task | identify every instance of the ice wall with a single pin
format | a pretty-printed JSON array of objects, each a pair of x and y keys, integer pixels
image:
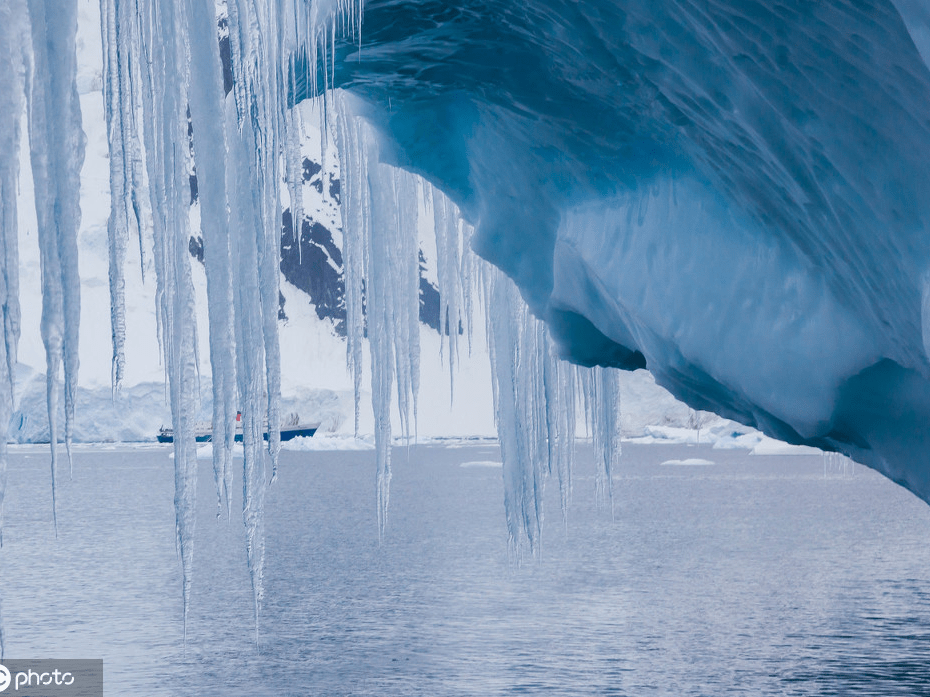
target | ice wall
[{"x": 734, "y": 196}]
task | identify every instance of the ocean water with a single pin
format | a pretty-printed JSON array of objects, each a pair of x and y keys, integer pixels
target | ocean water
[{"x": 755, "y": 575}]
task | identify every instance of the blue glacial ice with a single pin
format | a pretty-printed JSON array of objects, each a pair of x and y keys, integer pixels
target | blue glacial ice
[{"x": 734, "y": 195}]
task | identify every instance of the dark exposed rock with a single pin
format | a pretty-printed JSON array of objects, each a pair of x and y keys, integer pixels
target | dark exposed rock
[
  {"x": 311, "y": 169},
  {"x": 314, "y": 264},
  {"x": 196, "y": 247},
  {"x": 429, "y": 299},
  {"x": 225, "y": 54}
]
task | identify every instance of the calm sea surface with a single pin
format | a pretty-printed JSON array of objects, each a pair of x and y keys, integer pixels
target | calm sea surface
[{"x": 752, "y": 576}]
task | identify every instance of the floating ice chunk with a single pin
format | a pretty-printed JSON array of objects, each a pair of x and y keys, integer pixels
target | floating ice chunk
[
  {"x": 482, "y": 464},
  {"x": 689, "y": 462},
  {"x": 327, "y": 442}
]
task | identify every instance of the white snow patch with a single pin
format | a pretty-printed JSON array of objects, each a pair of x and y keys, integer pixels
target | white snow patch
[
  {"x": 205, "y": 452},
  {"x": 770, "y": 446},
  {"x": 328, "y": 441},
  {"x": 482, "y": 463},
  {"x": 690, "y": 462}
]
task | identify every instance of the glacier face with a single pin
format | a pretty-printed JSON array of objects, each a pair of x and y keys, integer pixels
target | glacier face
[{"x": 733, "y": 194}]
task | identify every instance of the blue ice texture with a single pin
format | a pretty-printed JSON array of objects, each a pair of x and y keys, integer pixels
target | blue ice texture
[{"x": 734, "y": 196}]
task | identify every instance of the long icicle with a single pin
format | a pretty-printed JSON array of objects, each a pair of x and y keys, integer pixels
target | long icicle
[
  {"x": 12, "y": 76},
  {"x": 57, "y": 153},
  {"x": 164, "y": 99},
  {"x": 256, "y": 30},
  {"x": 606, "y": 432},
  {"x": 245, "y": 223},
  {"x": 385, "y": 268},
  {"x": 354, "y": 205},
  {"x": 115, "y": 87},
  {"x": 208, "y": 116}
]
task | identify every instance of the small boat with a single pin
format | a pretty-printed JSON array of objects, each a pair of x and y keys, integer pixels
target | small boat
[{"x": 203, "y": 431}]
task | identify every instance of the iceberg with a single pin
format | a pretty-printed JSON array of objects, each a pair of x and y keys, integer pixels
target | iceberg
[{"x": 734, "y": 196}]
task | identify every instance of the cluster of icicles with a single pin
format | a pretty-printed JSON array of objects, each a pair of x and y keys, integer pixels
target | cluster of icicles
[{"x": 168, "y": 116}]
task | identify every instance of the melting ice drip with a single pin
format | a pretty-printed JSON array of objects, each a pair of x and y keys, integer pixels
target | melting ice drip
[{"x": 163, "y": 89}]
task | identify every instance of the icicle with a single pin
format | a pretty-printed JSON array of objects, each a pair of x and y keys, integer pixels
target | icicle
[
  {"x": 447, "y": 225},
  {"x": 513, "y": 336},
  {"x": 244, "y": 226},
  {"x": 469, "y": 279},
  {"x": 586, "y": 380},
  {"x": 115, "y": 88},
  {"x": 259, "y": 71},
  {"x": 559, "y": 382},
  {"x": 57, "y": 152},
  {"x": 163, "y": 70},
  {"x": 255, "y": 216},
  {"x": 238, "y": 148},
  {"x": 12, "y": 86},
  {"x": 398, "y": 244},
  {"x": 381, "y": 307},
  {"x": 383, "y": 266},
  {"x": 534, "y": 402},
  {"x": 606, "y": 431},
  {"x": 208, "y": 120},
  {"x": 354, "y": 206},
  {"x": 294, "y": 170}
]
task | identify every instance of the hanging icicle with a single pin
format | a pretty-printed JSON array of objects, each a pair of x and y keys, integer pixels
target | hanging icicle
[
  {"x": 13, "y": 31},
  {"x": 164, "y": 72},
  {"x": 161, "y": 61},
  {"x": 57, "y": 153},
  {"x": 605, "y": 429},
  {"x": 513, "y": 337},
  {"x": 447, "y": 224},
  {"x": 534, "y": 401},
  {"x": 382, "y": 276},
  {"x": 250, "y": 348},
  {"x": 355, "y": 205},
  {"x": 208, "y": 118},
  {"x": 560, "y": 396},
  {"x": 119, "y": 115},
  {"x": 259, "y": 71}
]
